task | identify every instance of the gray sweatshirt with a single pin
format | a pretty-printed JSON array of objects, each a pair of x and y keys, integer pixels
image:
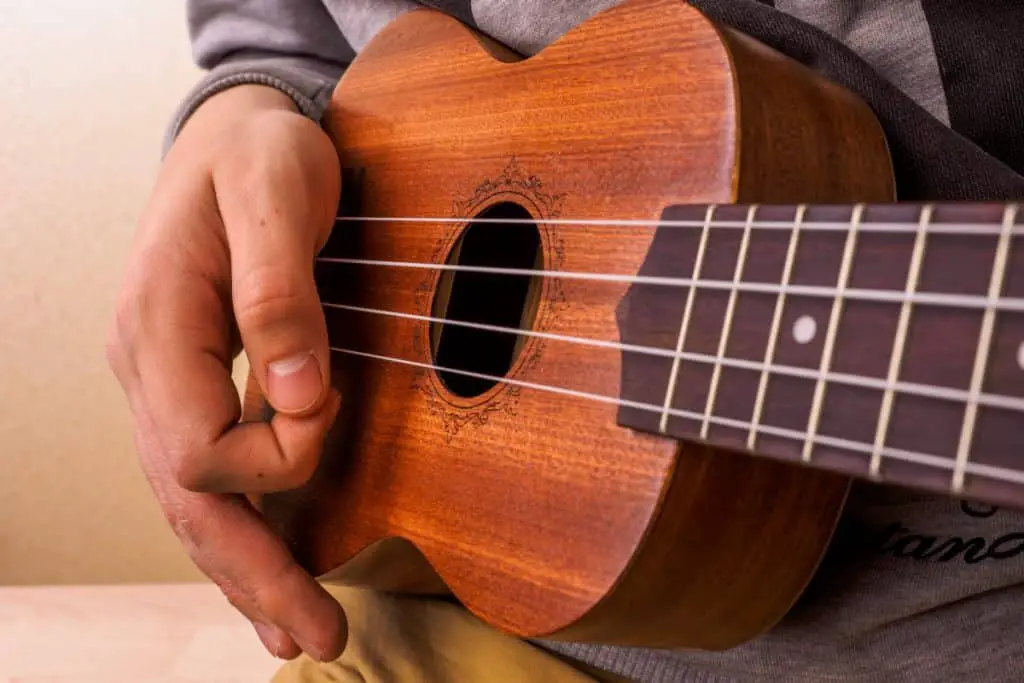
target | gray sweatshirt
[{"x": 916, "y": 588}]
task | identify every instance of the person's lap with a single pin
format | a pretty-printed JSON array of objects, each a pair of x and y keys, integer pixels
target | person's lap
[{"x": 412, "y": 640}]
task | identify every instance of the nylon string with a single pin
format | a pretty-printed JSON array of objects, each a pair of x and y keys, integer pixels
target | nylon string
[
  {"x": 966, "y": 301},
  {"x": 907, "y": 298},
  {"x": 900, "y": 387},
  {"x": 911, "y": 227},
  {"x": 990, "y": 471}
]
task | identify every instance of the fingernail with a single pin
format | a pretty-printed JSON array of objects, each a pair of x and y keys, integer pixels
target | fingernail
[
  {"x": 324, "y": 645},
  {"x": 272, "y": 637},
  {"x": 314, "y": 651},
  {"x": 294, "y": 384}
]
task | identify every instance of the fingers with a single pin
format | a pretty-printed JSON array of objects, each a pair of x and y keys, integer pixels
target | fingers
[
  {"x": 276, "y": 641},
  {"x": 203, "y": 253},
  {"x": 260, "y": 457},
  {"x": 230, "y": 543},
  {"x": 174, "y": 341},
  {"x": 187, "y": 384}
]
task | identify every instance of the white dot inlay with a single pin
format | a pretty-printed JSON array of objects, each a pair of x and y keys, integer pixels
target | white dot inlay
[
  {"x": 805, "y": 328},
  {"x": 1020, "y": 356}
]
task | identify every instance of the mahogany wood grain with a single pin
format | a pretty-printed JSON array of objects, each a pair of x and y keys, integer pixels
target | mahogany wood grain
[{"x": 540, "y": 513}]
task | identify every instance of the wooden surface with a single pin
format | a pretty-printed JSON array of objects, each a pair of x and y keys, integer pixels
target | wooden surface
[
  {"x": 539, "y": 512},
  {"x": 127, "y": 634}
]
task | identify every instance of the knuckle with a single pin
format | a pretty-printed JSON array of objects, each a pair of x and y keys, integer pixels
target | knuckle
[
  {"x": 190, "y": 474},
  {"x": 114, "y": 352},
  {"x": 132, "y": 316},
  {"x": 190, "y": 533},
  {"x": 268, "y": 297},
  {"x": 298, "y": 469},
  {"x": 122, "y": 327},
  {"x": 234, "y": 594},
  {"x": 120, "y": 341},
  {"x": 300, "y": 459},
  {"x": 187, "y": 532},
  {"x": 272, "y": 596}
]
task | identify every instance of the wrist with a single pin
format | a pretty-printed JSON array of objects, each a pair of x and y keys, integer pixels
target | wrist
[
  {"x": 247, "y": 98},
  {"x": 233, "y": 108}
]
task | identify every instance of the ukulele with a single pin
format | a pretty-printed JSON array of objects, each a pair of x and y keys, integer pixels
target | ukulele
[{"x": 616, "y": 327}]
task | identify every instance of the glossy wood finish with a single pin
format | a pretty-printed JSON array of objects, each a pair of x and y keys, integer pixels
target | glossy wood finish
[{"x": 540, "y": 513}]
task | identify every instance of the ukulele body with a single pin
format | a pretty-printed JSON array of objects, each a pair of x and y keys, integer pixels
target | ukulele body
[{"x": 533, "y": 508}]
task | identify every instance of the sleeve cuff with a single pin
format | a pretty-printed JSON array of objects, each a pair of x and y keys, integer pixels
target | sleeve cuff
[{"x": 309, "y": 83}]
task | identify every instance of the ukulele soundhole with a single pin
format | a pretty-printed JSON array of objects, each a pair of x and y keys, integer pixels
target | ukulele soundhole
[{"x": 504, "y": 303}]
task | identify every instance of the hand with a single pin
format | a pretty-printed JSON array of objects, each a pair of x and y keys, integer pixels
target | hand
[{"x": 223, "y": 259}]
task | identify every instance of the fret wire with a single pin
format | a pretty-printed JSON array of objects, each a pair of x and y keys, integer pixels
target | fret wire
[
  {"x": 831, "y": 332},
  {"x": 723, "y": 341},
  {"x": 780, "y": 302},
  {"x": 938, "y": 462},
  {"x": 972, "y": 229},
  {"x": 865, "y": 382},
  {"x": 899, "y": 342},
  {"x": 966, "y": 301},
  {"x": 983, "y": 351},
  {"x": 684, "y": 325}
]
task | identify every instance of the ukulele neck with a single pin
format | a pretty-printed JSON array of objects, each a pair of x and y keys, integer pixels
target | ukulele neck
[{"x": 884, "y": 341}]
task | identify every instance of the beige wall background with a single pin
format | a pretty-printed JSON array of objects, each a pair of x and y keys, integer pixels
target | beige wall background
[{"x": 86, "y": 90}]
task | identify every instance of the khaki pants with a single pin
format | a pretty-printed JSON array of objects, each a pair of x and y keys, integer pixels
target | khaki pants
[{"x": 412, "y": 640}]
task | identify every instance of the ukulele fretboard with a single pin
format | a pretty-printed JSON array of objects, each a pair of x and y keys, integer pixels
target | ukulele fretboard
[{"x": 882, "y": 341}]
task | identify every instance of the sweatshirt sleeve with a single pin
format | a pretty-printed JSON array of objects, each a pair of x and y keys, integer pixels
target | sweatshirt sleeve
[{"x": 292, "y": 45}]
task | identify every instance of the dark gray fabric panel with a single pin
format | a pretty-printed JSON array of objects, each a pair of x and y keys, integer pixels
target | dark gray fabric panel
[
  {"x": 980, "y": 47},
  {"x": 893, "y": 36}
]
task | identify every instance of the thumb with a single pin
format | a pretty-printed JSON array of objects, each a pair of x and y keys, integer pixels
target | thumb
[
  {"x": 278, "y": 202},
  {"x": 279, "y": 316}
]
